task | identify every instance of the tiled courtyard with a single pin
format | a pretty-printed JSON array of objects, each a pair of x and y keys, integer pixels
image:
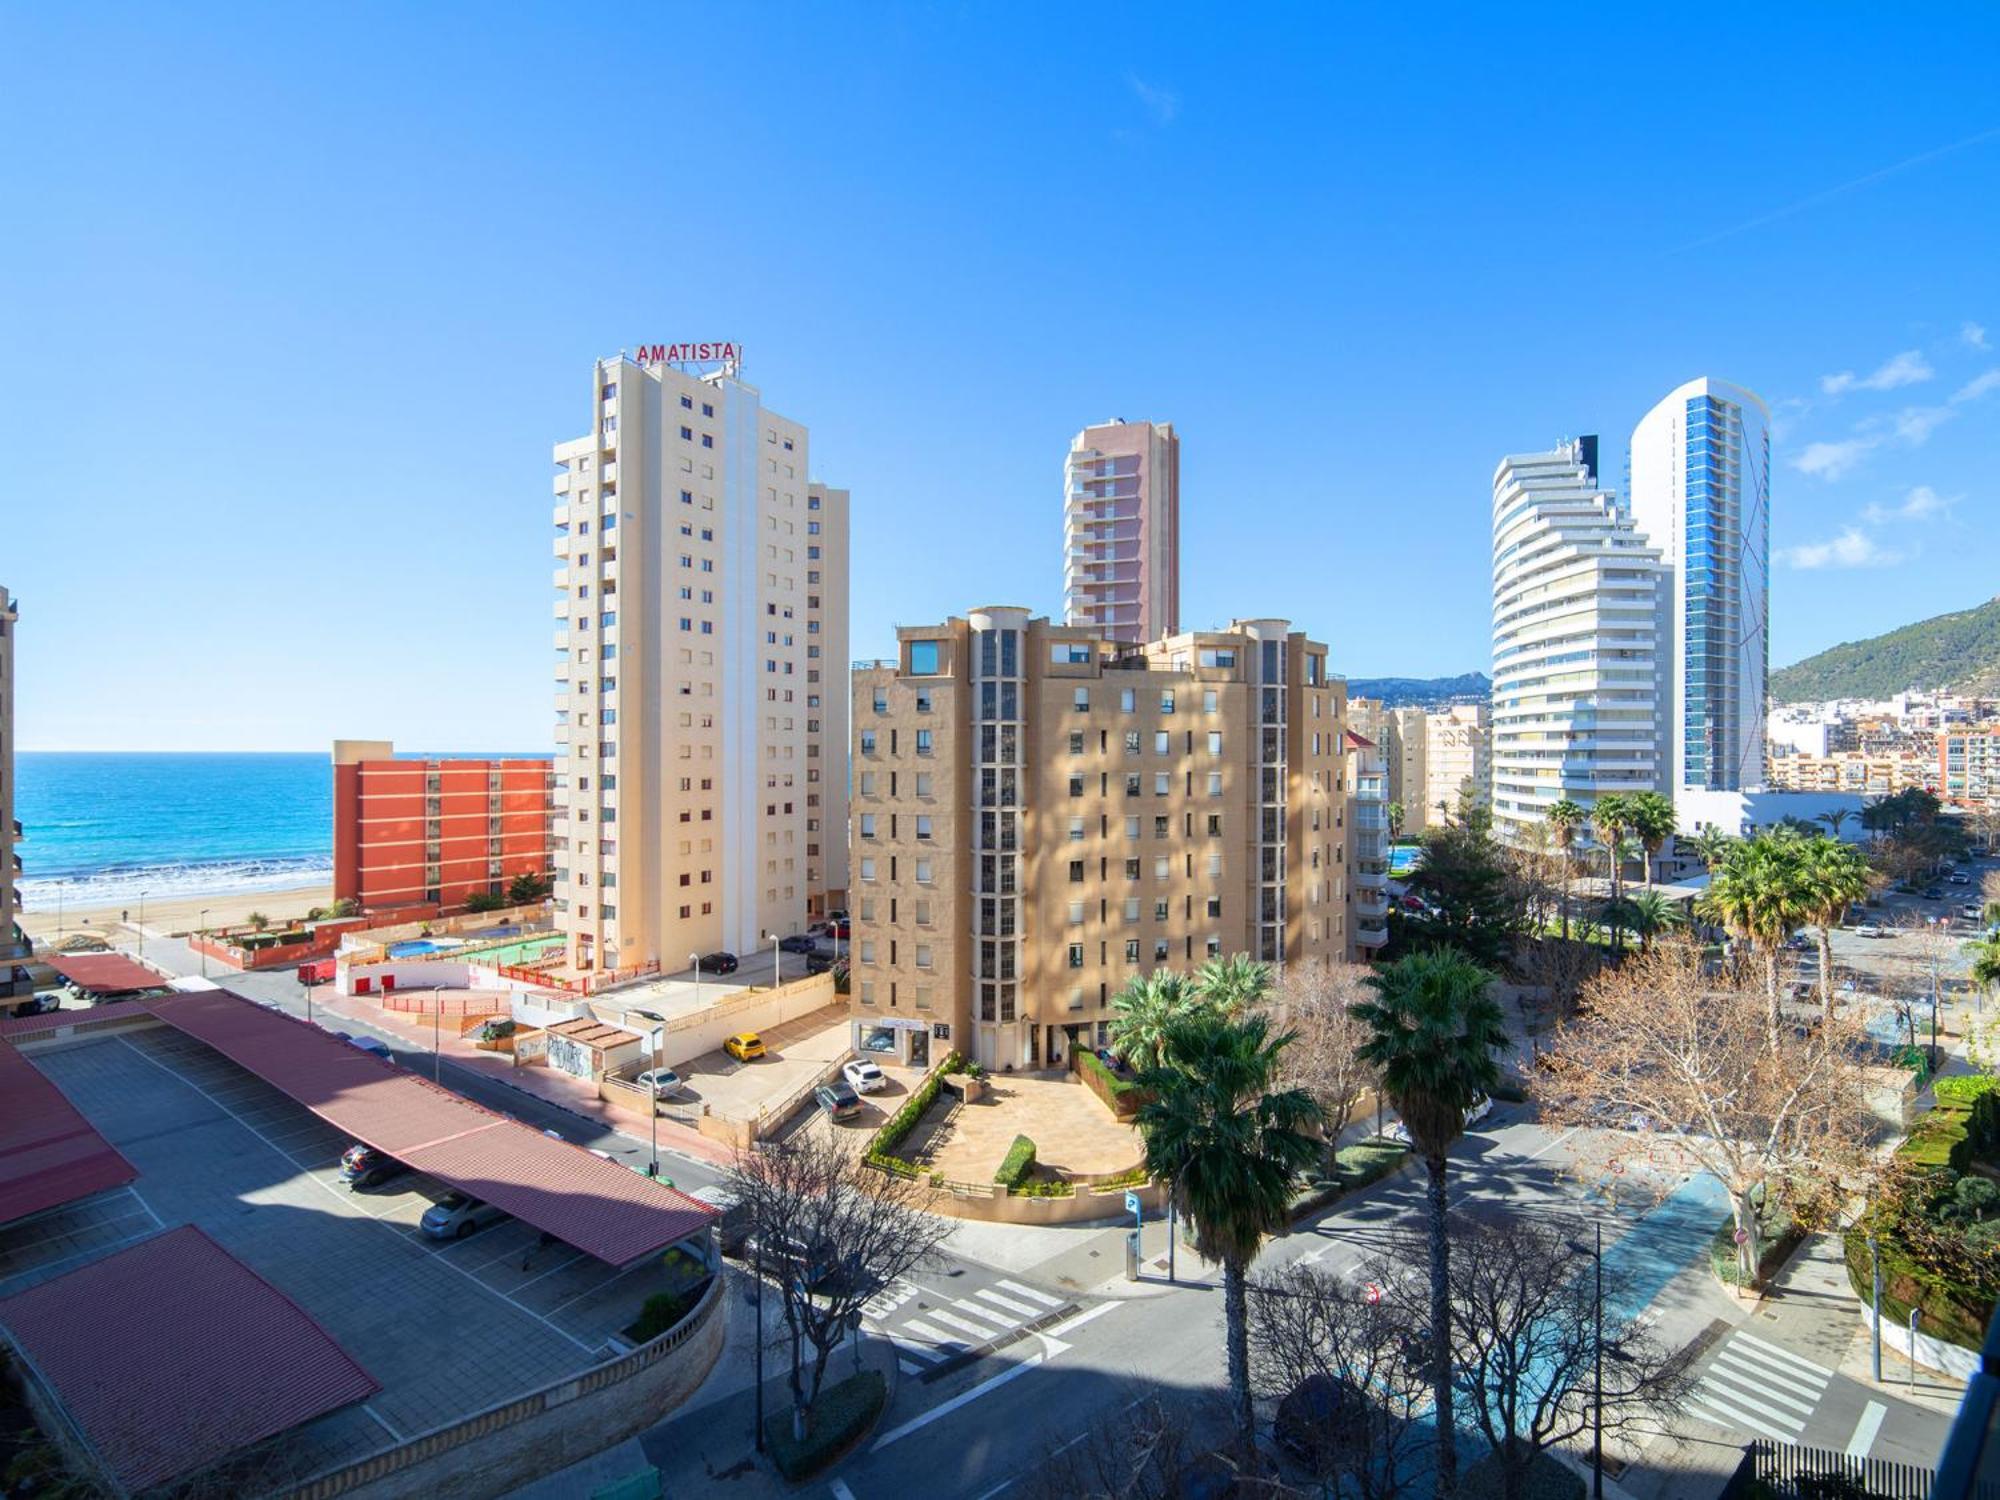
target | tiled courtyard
[{"x": 1072, "y": 1130}]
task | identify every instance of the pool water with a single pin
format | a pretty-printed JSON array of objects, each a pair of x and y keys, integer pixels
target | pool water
[
  {"x": 421, "y": 947},
  {"x": 1403, "y": 859}
]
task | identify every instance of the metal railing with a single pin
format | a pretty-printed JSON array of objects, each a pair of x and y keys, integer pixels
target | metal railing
[{"x": 1809, "y": 1473}]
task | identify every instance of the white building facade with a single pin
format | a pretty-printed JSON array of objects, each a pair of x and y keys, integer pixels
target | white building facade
[
  {"x": 696, "y": 604},
  {"x": 1579, "y": 603},
  {"x": 1700, "y": 488},
  {"x": 14, "y": 946}
]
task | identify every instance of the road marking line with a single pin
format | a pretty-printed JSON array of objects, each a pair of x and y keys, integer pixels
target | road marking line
[
  {"x": 1537, "y": 1155},
  {"x": 980, "y": 1310},
  {"x": 1755, "y": 1388},
  {"x": 1080, "y": 1319},
  {"x": 1722, "y": 1416},
  {"x": 387, "y": 1426},
  {"x": 1030, "y": 1293},
  {"x": 1780, "y": 1352},
  {"x": 841, "y": 1491},
  {"x": 158, "y": 1222},
  {"x": 945, "y": 1409},
  {"x": 1019, "y": 1309},
  {"x": 976, "y": 1330},
  {"x": 922, "y": 1351},
  {"x": 909, "y": 1367},
  {"x": 1865, "y": 1429},
  {"x": 1783, "y": 1376},
  {"x": 1712, "y": 1389},
  {"x": 935, "y": 1335}
]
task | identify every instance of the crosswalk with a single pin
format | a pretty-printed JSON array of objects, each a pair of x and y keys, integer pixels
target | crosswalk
[
  {"x": 931, "y": 1326},
  {"x": 1753, "y": 1385}
]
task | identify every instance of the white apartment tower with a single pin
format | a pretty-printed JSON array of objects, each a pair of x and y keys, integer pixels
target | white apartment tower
[
  {"x": 701, "y": 672},
  {"x": 14, "y": 946},
  {"x": 1579, "y": 602},
  {"x": 1700, "y": 486},
  {"x": 1122, "y": 531}
]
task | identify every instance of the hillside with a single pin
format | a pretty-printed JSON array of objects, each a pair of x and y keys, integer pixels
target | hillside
[
  {"x": 1958, "y": 651},
  {"x": 1412, "y": 692}
]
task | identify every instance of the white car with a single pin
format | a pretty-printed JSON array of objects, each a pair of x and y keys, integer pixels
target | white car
[
  {"x": 1480, "y": 1108},
  {"x": 1868, "y": 930},
  {"x": 864, "y": 1076},
  {"x": 664, "y": 1082},
  {"x": 456, "y": 1215}
]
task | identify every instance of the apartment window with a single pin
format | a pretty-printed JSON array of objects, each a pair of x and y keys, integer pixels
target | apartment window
[
  {"x": 1160, "y": 826},
  {"x": 867, "y": 784},
  {"x": 1076, "y": 914},
  {"x": 867, "y": 992},
  {"x": 880, "y": 701},
  {"x": 1076, "y": 955},
  {"x": 1215, "y": 825},
  {"x": 923, "y": 955},
  {"x": 867, "y": 869},
  {"x": 1215, "y": 742},
  {"x": 923, "y": 872},
  {"x": 1131, "y": 828},
  {"x": 867, "y": 742},
  {"x": 1083, "y": 700},
  {"x": 1131, "y": 742},
  {"x": 1132, "y": 950},
  {"x": 688, "y": 403},
  {"x": 687, "y": 434},
  {"x": 1131, "y": 869},
  {"x": 1163, "y": 867},
  {"x": 923, "y": 694},
  {"x": 1215, "y": 906},
  {"x": 1127, "y": 700},
  {"x": 1131, "y": 909},
  {"x": 1215, "y": 783},
  {"x": 868, "y": 825},
  {"x": 707, "y": 410},
  {"x": 1162, "y": 742},
  {"x": 1076, "y": 872},
  {"x": 1132, "y": 783},
  {"x": 923, "y": 742},
  {"x": 1166, "y": 700},
  {"x": 1161, "y": 910},
  {"x": 707, "y": 441},
  {"x": 1076, "y": 828},
  {"x": 923, "y": 783},
  {"x": 1076, "y": 742},
  {"x": 923, "y": 911},
  {"x": 1076, "y": 786},
  {"x": 867, "y": 946},
  {"x": 1163, "y": 783},
  {"x": 1213, "y": 948}
]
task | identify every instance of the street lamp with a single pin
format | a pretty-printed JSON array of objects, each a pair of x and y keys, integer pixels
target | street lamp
[
  {"x": 777, "y": 961},
  {"x": 204, "y": 939},
  {"x": 695, "y": 959},
  {"x": 1875, "y": 1274},
  {"x": 1597, "y": 1395},
  {"x": 142, "y": 926},
  {"x": 653, "y": 1089}
]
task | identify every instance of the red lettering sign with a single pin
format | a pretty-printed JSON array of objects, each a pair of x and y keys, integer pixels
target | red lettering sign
[{"x": 729, "y": 355}]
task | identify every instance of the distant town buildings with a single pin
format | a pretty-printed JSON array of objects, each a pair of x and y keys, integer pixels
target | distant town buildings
[
  {"x": 434, "y": 833},
  {"x": 1941, "y": 742},
  {"x": 1969, "y": 767},
  {"x": 1700, "y": 492},
  {"x": 14, "y": 944},
  {"x": 1121, "y": 531},
  {"x": 1429, "y": 756},
  {"x": 701, "y": 628},
  {"x": 1043, "y": 813},
  {"x": 1579, "y": 616}
]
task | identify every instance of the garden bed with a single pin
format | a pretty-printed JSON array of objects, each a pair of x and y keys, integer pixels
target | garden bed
[
  {"x": 1354, "y": 1167},
  {"x": 1777, "y": 1237},
  {"x": 841, "y": 1418}
]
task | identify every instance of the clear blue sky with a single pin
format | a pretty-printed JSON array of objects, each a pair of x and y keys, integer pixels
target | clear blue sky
[{"x": 293, "y": 301}]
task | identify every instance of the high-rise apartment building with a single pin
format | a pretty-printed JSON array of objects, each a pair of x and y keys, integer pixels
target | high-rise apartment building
[
  {"x": 1458, "y": 746},
  {"x": 1968, "y": 767},
  {"x": 14, "y": 945},
  {"x": 1367, "y": 845},
  {"x": 692, "y": 661},
  {"x": 1700, "y": 488},
  {"x": 827, "y": 702},
  {"x": 1579, "y": 606},
  {"x": 1043, "y": 813},
  {"x": 434, "y": 833},
  {"x": 1121, "y": 531}
]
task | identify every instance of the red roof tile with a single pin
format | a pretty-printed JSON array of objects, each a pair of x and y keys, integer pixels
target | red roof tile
[
  {"x": 598, "y": 1206},
  {"x": 48, "y": 1152},
  {"x": 106, "y": 973},
  {"x": 162, "y": 1386}
]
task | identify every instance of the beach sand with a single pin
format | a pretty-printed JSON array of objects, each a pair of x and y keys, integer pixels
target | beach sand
[{"x": 178, "y": 913}]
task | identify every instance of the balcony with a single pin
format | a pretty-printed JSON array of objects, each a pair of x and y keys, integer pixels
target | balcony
[
  {"x": 562, "y": 516},
  {"x": 562, "y": 640},
  {"x": 1371, "y": 935},
  {"x": 562, "y": 482},
  {"x": 1371, "y": 880},
  {"x": 1371, "y": 906},
  {"x": 559, "y": 577}
]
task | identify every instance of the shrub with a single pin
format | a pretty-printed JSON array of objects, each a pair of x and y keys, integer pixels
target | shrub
[
  {"x": 904, "y": 1120},
  {"x": 1964, "y": 1088},
  {"x": 1982, "y": 1131},
  {"x": 663, "y": 1311},
  {"x": 1133, "y": 1177},
  {"x": 1357, "y": 1166},
  {"x": 840, "y": 1416},
  {"x": 1045, "y": 1187},
  {"x": 485, "y": 901},
  {"x": 1123, "y": 1095},
  {"x": 1018, "y": 1163}
]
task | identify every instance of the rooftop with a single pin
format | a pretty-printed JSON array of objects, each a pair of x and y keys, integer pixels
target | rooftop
[{"x": 49, "y": 1154}]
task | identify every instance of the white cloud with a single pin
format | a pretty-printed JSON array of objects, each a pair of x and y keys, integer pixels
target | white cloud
[
  {"x": 1920, "y": 504},
  {"x": 1163, "y": 104},
  {"x": 1831, "y": 460},
  {"x": 1974, "y": 335},
  {"x": 1976, "y": 387},
  {"x": 1852, "y": 548},
  {"x": 1915, "y": 424},
  {"x": 1908, "y": 368}
]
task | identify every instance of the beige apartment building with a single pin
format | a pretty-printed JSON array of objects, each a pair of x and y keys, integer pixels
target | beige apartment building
[
  {"x": 1458, "y": 754},
  {"x": 701, "y": 630},
  {"x": 14, "y": 945},
  {"x": 1042, "y": 813},
  {"x": 1869, "y": 774}
]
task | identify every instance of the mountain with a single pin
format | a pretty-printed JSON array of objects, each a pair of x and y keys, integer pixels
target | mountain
[
  {"x": 1958, "y": 651},
  {"x": 1424, "y": 692}
]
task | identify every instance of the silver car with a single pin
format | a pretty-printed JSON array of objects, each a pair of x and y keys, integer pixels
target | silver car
[
  {"x": 456, "y": 1215},
  {"x": 664, "y": 1082}
]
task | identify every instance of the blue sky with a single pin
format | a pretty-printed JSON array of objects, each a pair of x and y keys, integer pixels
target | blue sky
[{"x": 294, "y": 300}]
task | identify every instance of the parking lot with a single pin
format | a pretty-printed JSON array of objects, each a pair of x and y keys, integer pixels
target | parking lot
[{"x": 447, "y": 1329}]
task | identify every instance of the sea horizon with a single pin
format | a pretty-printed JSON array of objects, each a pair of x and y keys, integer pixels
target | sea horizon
[{"x": 100, "y": 826}]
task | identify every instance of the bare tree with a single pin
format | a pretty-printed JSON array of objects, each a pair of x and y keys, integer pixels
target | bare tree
[
  {"x": 1524, "y": 1312},
  {"x": 1684, "y": 1056},
  {"x": 830, "y": 1232},
  {"x": 1309, "y": 1325},
  {"x": 1141, "y": 1450},
  {"x": 1557, "y": 971},
  {"x": 1312, "y": 1001}
]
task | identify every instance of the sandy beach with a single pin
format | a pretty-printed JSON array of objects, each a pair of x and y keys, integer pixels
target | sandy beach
[{"x": 178, "y": 913}]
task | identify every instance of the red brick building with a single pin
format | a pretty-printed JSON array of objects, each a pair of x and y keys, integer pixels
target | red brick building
[{"x": 434, "y": 832}]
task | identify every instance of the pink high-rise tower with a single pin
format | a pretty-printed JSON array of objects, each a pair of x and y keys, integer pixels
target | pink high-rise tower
[{"x": 1121, "y": 530}]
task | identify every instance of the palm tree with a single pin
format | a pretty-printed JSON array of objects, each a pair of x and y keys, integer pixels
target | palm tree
[
  {"x": 1834, "y": 817},
  {"x": 1758, "y": 893},
  {"x": 1985, "y": 970},
  {"x": 1142, "y": 1012},
  {"x": 1836, "y": 876},
  {"x": 1649, "y": 912},
  {"x": 1233, "y": 984},
  {"x": 1230, "y": 1145},
  {"x": 1709, "y": 845},
  {"x": 1433, "y": 1032},
  {"x": 1650, "y": 818},
  {"x": 1395, "y": 811},
  {"x": 1567, "y": 819},
  {"x": 1611, "y": 820}
]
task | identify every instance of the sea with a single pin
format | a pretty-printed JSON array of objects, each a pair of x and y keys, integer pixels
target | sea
[{"x": 106, "y": 826}]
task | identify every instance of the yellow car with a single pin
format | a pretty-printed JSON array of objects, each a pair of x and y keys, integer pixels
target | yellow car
[{"x": 744, "y": 1046}]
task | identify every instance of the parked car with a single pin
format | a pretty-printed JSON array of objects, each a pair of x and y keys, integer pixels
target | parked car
[
  {"x": 732, "y": 1228},
  {"x": 717, "y": 963},
  {"x": 838, "y": 1099},
  {"x": 456, "y": 1215},
  {"x": 1971, "y": 911},
  {"x": 839, "y": 929},
  {"x": 799, "y": 942},
  {"x": 818, "y": 963},
  {"x": 839, "y": 914},
  {"x": 665, "y": 1083},
  {"x": 38, "y": 1004},
  {"x": 365, "y": 1167},
  {"x": 786, "y": 1255},
  {"x": 317, "y": 971},
  {"x": 1933, "y": 894},
  {"x": 1310, "y": 1419},
  {"x": 373, "y": 1048},
  {"x": 1112, "y": 1061},
  {"x": 1478, "y": 1110},
  {"x": 1957, "y": 879},
  {"x": 1869, "y": 930},
  {"x": 865, "y": 1077},
  {"x": 744, "y": 1046}
]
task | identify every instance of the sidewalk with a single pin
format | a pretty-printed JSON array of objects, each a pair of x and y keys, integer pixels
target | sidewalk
[{"x": 1813, "y": 1301}]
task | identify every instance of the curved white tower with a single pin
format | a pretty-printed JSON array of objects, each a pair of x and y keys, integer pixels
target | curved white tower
[
  {"x": 1700, "y": 486},
  {"x": 1578, "y": 606}
]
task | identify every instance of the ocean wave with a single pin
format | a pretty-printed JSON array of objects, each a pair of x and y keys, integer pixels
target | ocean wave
[{"x": 118, "y": 885}]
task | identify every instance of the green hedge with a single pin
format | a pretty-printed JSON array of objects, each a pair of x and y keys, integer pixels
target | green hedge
[
  {"x": 1018, "y": 1163},
  {"x": 1940, "y": 1138},
  {"x": 1359, "y": 1165},
  {"x": 1122, "y": 1094},
  {"x": 1951, "y": 1310},
  {"x": 1963, "y": 1088},
  {"x": 662, "y": 1311},
  {"x": 840, "y": 1417},
  {"x": 882, "y": 1149}
]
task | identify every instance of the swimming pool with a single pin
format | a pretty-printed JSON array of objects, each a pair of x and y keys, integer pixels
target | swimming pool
[
  {"x": 423, "y": 947},
  {"x": 1403, "y": 858}
]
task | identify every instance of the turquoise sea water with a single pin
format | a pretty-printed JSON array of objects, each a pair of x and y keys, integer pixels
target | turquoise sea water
[{"x": 107, "y": 826}]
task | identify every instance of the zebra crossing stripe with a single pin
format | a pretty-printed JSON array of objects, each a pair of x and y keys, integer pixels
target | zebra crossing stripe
[
  {"x": 978, "y": 1330},
  {"x": 1030, "y": 1293},
  {"x": 1711, "y": 1410},
  {"x": 922, "y": 1351},
  {"x": 936, "y": 1335},
  {"x": 1747, "y": 1387},
  {"x": 981, "y": 1311},
  {"x": 1019, "y": 1309},
  {"x": 1779, "y": 1352},
  {"x": 1765, "y": 1377}
]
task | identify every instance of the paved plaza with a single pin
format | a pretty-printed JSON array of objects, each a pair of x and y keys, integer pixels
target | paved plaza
[{"x": 1072, "y": 1130}]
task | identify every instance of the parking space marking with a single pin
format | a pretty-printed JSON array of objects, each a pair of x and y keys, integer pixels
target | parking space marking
[
  {"x": 559, "y": 1266},
  {"x": 158, "y": 1222},
  {"x": 384, "y": 1422},
  {"x": 555, "y": 1328},
  {"x": 1865, "y": 1429}
]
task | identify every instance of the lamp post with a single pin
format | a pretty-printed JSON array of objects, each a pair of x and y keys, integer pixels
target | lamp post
[
  {"x": 777, "y": 961},
  {"x": 204, "y": 938},
  {"x": 1597, "y": 1393},
  {"x": 142, "y": 926},
  {"x": 437, "y": 1031},
  {"x": 1875, "y": 1275},
  {"x": 653, "y": 1100},
  {"x": 1915, "y": 1313},
  {"x": 695, "y": 959}
]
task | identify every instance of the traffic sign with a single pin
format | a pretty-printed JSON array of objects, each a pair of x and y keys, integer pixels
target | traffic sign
[
  {"x": 1132, "y": 1205},
  {"x": 1373, "y": 1292}
]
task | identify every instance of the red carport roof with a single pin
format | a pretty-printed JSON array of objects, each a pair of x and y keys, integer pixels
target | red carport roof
[
  {"x": 48, "y": 1152},
  {"x": 598, "y": 1206},
  {"x": 173, "y": 1354},
  {"x": 106, "y": 973}
]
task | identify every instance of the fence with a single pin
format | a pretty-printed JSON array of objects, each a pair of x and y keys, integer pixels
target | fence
[{"x": 1827, "y": 1474}]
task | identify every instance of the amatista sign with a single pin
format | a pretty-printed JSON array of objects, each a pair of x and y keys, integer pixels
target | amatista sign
[{"x": 729, "y": 356}]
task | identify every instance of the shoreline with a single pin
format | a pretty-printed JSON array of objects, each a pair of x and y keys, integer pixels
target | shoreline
[{"x": 180, "y": 912}]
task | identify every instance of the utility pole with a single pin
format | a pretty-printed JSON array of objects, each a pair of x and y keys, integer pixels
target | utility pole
[{"x": 1597, "y": 1418}]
